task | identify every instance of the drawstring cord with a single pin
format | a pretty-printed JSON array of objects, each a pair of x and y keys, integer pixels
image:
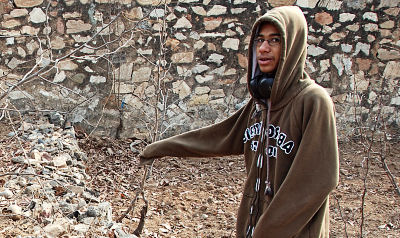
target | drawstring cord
[{"x": 263, "y": 144}]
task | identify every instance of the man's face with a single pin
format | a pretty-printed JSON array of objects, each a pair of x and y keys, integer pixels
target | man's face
[{"x": 268, "y": 48}]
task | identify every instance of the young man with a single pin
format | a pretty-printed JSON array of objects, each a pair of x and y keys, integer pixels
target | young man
[{"x": 286, "y": 132}]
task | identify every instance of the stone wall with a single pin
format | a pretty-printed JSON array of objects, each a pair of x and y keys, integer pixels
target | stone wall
[{"x": 150, "y": 68}]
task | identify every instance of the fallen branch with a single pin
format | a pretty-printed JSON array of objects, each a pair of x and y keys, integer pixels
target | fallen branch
[
  {"x": 341, "y": 215},
  {"x": 390, "y": 175},
  {"x": 139, "y": 191}
]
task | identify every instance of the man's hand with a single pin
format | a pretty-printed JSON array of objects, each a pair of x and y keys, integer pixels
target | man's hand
[{"x": 145, "y": 161}]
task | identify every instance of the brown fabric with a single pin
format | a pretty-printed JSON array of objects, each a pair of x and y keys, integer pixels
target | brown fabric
[{"x": 303, "y": 152}]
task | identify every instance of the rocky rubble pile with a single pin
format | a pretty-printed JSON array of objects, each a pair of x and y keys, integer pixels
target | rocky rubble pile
[{"x": 45, "y": 185}]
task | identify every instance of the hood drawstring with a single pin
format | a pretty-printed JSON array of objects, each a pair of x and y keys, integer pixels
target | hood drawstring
[{"x": 262, "y": 158}]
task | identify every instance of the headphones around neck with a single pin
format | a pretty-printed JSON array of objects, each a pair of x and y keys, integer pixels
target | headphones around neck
[{"x": 261, "y": 86}]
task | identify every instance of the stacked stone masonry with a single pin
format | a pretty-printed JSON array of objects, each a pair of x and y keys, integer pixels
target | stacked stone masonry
[{"x": 122, "y": 67}]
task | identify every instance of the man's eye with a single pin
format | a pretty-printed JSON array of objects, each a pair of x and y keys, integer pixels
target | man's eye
[
  {"x": 260, "y": 40},
  {"x": 275, "y": 40}
]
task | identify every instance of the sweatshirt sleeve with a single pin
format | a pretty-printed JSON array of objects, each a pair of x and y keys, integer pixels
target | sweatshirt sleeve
[
  {"x": 221, "y": 139},
  {"x": 311, "y": 177}
]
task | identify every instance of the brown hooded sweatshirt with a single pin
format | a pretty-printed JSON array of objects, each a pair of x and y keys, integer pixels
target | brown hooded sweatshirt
[{"x": 291, "y": 165}]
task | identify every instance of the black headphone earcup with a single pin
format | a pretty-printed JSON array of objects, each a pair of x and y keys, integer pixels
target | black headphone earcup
[
  {"x": 265, "y": 86},
  {"x": 254, "y": 87},
  {"x": 261, "y": 86}
]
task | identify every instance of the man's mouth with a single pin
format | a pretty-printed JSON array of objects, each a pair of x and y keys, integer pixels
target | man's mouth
[{"x": 265, "y": 60}]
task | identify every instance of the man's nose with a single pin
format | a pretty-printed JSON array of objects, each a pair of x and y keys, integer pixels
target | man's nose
[{"x": 265, "y": 46}]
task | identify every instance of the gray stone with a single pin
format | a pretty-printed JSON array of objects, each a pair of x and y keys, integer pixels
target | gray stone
[
  {"x": 171, "y": 17},
  {"x": 18, "y": 160},
  {"x": 157, "y": 13},
  {"x": 372, "y": 16},
  {"x": 388, "y": 3},
  {"x": 182, "y": 22},
  {"x": 15, "y": 209},
  {"x": 78, "y": 78},
  {"x": 28, "y": 3},
  {"x": 219, "y": 71},
  {"x": 82, "y": 228},
  {"x": 6, "y": 194},
  {"x": 10, "y": 41},
  {"x": 188, "y": 1},
  {"x": 202, "y": 90},
  {"x": 21, "y": 52},
  {"x": 14, "y": 62},
  {"x": 229, "y": 72},
  {"x": 30, "y": 30},
  {"x": 37, "y": 15},
  {"x": 392, "y": 70},
  {"x": 199, "y": 100},
  {"x": 231, "y": 43},
  {"x": 371, "y": 27},
  {"x": 87, "y": 50},
  {"x": 237, "y": 10},
  {"x": 307, "y": 3},
  {"x": 151, "y": 2},
  {"x": 361, "y": 82},
  {"x": 202, "y": 79},
  {"x": 59, "y": 77},
  {"x": 236, "y": 2},
  {"x": 217, "y": 10},
  {"x": 387, "y": 24},
  {"x": 388, "y": 54},
  {"x": 199, "y": 44},
  {"x": 55, "y": 229},
  {"x": 212, "y": 24},
  {"x": 125, "y": 2},
  {"x": 104, "y": 209},
  {"x": 354, "y": 27},
  {"x": 67, "y": 65},
  {"x": 124, "y": 72},
  {"x": 331, "y": 5},
  {"x": 141, "y": 75},
  {"x": 315, "y": 50},
  {"x": 337, "y": 36},
  {"x": 217, "y": 93},
  {"x": 183, "y": 72},
  {"x": 57, "y": 43},
  {"x": 180, "y": 36},
  {"x": 392, "y": 11},
  {"x": 344, "y": 17},
  {"x": 395, "y": 101},
  {"x": 32, "y": 189},
  {"x": 215, "y": 58},
  {"x": 69, "y": 15},
  {"x": 180, "y": 9},
  {"x": 19, "y": 12},
  {"x": 356, "y": 4},
  {"x": 362, "y": 47},
  {"x": 9, "y": 24},
  {"x": 337, "y": 62},
  {"x": 346, "y": 48},
  {"x": 97, "y": 79},
  {"x": 135, "y": 13},
  {"x": 181, "y": 58},
  {"x": 199, "y": 10},
  {"x": 76, "y": 26},
  {"x": 181, "y": 88},
  {"x": 200, "y": 68},
  {"x": 212, "y": 35}
]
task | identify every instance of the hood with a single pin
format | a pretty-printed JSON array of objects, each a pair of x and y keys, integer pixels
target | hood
[{"x": 290, "y": 77}]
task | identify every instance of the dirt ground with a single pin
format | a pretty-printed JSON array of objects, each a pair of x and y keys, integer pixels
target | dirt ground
[{"x": 200, "y": 197}]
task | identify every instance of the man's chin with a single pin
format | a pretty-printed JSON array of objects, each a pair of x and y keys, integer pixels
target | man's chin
[{"x": 267, "y": 70}]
